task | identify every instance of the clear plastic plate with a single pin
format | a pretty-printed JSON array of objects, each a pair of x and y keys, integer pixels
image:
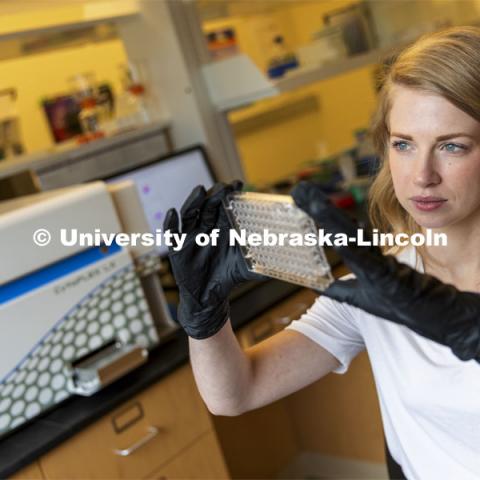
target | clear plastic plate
[{"x": 260, "y": 213}]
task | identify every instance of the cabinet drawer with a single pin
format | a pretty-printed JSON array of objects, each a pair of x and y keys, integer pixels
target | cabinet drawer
[
  {"x": 277, "y": 318},
  {"x": 136, "y": 438},
  {"x": 202, "y": 460}
]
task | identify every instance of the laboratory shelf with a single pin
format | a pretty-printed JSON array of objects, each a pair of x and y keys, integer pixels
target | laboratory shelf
[{"x": 236, "y": 82}]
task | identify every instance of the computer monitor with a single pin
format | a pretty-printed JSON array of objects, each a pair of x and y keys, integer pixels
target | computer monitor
[{"x": 167, "y": 181}]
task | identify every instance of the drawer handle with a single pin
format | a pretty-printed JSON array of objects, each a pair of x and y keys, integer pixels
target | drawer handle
[
  {"x": 152, "y": 432},
  {"x": 300, "y": 308}
]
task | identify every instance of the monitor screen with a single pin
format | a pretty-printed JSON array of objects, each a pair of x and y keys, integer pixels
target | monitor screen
[{"x": 167, "y": 183}]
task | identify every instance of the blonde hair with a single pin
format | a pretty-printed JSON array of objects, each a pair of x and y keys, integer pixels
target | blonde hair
[{"x": 446, "y": 63}]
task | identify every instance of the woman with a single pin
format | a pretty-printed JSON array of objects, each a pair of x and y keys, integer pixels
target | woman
[{"x": 427, "y": 130}]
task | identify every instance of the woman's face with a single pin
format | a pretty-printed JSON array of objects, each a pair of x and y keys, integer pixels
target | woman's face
[{"x": 434, "y": 157}]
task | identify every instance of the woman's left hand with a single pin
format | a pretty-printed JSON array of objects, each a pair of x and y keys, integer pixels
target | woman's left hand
[{"x": 392, "y": 290}]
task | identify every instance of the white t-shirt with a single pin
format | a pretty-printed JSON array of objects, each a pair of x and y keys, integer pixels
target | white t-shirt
[{"x": 429, "y": 399}]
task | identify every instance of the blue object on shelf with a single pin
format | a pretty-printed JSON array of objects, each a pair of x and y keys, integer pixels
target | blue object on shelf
[{"x": 276, "y": 71}]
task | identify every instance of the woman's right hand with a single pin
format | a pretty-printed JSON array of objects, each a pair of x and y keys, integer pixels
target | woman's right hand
[{"x": 205, "y": 275}]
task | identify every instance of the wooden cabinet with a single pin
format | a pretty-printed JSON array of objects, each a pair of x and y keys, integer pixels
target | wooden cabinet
[
  {"x": 201, "y": 460},
  {"x": 282, "y": 314},
  {"x": 350, "y": 424},
  {"x": 261, "y": 443},
  {"x": 276, "y": 318},
  {"x": 337, "y": 416},
  {"x": 139, "y": 437}
]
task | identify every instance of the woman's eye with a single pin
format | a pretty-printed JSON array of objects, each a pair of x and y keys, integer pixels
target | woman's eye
[
  {"x": 454, "y": 147},
  {"x": 400, "y": 145}
]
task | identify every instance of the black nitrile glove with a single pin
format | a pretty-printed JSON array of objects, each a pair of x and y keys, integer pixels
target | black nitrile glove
[
  {"x": 392, "y": 290},
  {"x": 205, "y": 275}
]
